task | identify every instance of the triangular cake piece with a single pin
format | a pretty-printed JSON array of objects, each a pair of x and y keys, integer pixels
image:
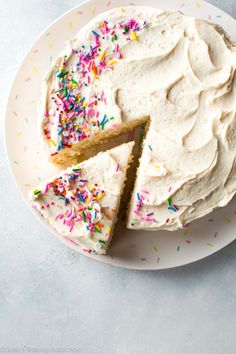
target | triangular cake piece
[{"x": 82, "y": 203}]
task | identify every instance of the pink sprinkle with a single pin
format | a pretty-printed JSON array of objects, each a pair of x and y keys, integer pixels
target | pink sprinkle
[
  {"x": 144, "y": 191},
  {"x": 117, "y": 167},
  {"x": 169, "y": 190},
  {"x": 70, "y": 240},
  {"x": 59, "y": 216},
  {"x": 27, "y": 79},
  {"x": 118, "y": 55},
  {"x": 15, "y": 114},
  {"x": 85, "y": 250},
  {"x": 91, "y": 112},
  {"x": 114, "y": 126},
  {"x": 144, "y": 218},
  {"x": 47, "y": 187}
]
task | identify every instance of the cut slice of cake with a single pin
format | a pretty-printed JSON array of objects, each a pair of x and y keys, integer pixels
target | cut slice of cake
[{"x": 82, "y": 203}]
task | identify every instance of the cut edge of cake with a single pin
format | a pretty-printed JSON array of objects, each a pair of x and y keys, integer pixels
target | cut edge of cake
[{"x": 76, "y": 153}]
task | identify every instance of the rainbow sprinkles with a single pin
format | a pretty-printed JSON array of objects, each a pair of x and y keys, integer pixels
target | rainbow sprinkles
[
  {"x": 81, "y": 203},
  {"x": 76, "y": 108}
]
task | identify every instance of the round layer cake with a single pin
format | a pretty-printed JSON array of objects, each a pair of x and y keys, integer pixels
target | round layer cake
[{"x": 176, "y": 73}]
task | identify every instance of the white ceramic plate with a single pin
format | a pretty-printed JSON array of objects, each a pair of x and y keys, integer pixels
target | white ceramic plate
[{"x": 131, "y": 249}]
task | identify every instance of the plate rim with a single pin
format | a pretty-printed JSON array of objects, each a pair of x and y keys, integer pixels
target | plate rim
[{"x": 102, "y": 259}]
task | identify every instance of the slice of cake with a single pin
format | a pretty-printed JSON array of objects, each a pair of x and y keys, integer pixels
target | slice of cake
[{"x": 82, "y": 203}]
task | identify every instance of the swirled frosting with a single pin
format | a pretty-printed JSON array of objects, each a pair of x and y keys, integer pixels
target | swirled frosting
[{"x": 177, "y": 72}]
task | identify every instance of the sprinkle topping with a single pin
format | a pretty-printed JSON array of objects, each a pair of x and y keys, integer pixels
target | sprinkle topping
[
  {"x": 81, "y": 199},
  {"x": 76, "y": 108}
]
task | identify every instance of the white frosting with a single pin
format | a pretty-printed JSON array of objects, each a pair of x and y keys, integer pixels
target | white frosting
[
  {"x": 180, "y": 73},
  {"x": 61, "y": 207}
]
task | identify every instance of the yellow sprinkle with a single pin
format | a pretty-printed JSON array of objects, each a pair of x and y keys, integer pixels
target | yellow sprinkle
[
  {"x": 18, "y": 133},
  {"x": 227, "y": 220},
  {"x": 134, "y": 36},
  {"x": 186, "y": 232},
  {"x": 102, "y": 55},
  {"x": 36, "y": 191},
  {"x": 100, "y": 196},
  {"x": 155, "y": 249},
  {"x": 157, "y": 166},
  {"x": 197, "y": 3},
  {"x": 122, "y": 9},
  {"x": 50, "y": 45},
  {"x": 70, "y": 25},
  {"x": 53, "y": 142},
  {"x": 32, "y": 102},
  {"x": 112, "y": 62},
  {"x": 108, "y": 230},
  {"x": 93, "y": 11},
  {"x": 209, "y": 244},
  {"x": 35, "y": 69}
]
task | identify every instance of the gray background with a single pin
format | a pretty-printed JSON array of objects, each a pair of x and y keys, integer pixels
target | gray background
[{"x": 54, "y": 300}]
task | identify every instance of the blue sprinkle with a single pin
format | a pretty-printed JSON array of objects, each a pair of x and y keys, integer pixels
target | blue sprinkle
[
  {"x": 60, "y": 131},
  {"x": 95, "y": 34},
  {"x": 81, "y": 197},
  {"x": 60, "y": 146}
]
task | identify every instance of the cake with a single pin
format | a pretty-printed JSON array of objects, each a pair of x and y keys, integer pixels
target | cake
[
  {"x": 172, "y": 72},
  {"x": 82, "y": 203}
]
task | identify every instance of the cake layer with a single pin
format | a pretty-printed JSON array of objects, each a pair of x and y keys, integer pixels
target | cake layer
[{"x": 83, "y": 201}]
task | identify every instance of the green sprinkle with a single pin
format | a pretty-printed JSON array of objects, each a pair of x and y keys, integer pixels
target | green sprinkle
[
  {"x": 114, "y": 38},
  {"x": 169, "y": 201},
  {"x": 101, "y": 241},
  {"x": 74, "y": 82},
  {"x": 150, "y": 147},
  {"x": 62, "y": 74},
  {"x": 36, "y": 191},
  {"x": 97, "y": 229},
  {"x": 76, "y": 169},
  {"x": 84, "y": 216}
]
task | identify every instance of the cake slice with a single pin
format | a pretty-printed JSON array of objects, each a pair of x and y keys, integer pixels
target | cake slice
[{"x": 82, "y": 203}]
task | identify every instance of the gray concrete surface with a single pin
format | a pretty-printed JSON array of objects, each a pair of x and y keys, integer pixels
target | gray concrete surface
[{"x": 54, "y": 300}]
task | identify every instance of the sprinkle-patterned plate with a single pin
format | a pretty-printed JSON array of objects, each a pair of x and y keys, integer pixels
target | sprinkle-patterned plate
[{"x": 131, "y": 249}]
